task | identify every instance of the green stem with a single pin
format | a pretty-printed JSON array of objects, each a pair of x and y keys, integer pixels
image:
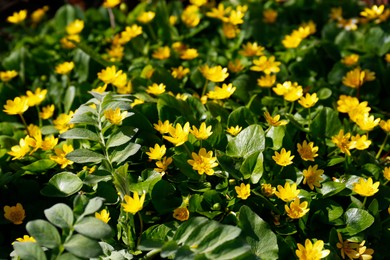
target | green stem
[
  {"x": 39, "y": 117},
  {"x": 251, "y": 101},
  {"x": 364, "y": 201},
  {"x": 187, "y": 150},
  {"x": 141, "y": 228},
  {"x": 154, "y": 37},
  {"x": 309, "y": 118},
  {"x": 291, "y": 108},
  {"x": 24, "y": 123},
  {"x": 382, "y": 146},
  {"x": 205, "y": 87}
]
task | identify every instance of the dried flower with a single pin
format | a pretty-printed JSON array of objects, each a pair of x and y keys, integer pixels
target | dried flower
[
  {"x": 15, "y": 214},
  {"x": 181, "y": 213}
]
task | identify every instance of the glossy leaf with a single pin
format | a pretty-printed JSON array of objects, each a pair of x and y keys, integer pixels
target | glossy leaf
[
  {"x": 93, "y": 228},
  {"x": 82, "y": 246},
  {"x": 85, "y": 156},
  {"x": 60, "y": 215},
  {"x": 44, "y": 233},
  {"x": 248, "y": 141},
  {"x": 62, "y": 185}
]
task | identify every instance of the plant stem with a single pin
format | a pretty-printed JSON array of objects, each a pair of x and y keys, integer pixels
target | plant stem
[
  {"x": 205, "y": 87},
  {"x": 141, "y": 228},
  {"x": 112, "y": 18},
  {"x": 382, "y": 146},
  {"x": 25, "y": 123},
  {"x": 309, "y": 118},
  {"x": 154, "y": 37}
]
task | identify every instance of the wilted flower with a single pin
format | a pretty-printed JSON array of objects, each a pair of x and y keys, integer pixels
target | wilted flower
[
  {"x": 15, "y": 214},
  {"x": 243, "y": 191},
  {"x": 270, "y": 16},
  {"x": 181, "y": 213}
]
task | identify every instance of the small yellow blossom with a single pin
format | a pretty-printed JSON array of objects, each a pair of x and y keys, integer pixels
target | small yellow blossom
[
  {"x": 111, "y": 3},
  {"x": 136, "y": 102},
  {"x": 146, "y": 17},
  {"x": 75, "y": 27},
  {"x": 120, "y": 80},
  {"x": 67, "y": 42},
  {"x": 189, "y": 54},
  {"x": 366, "y": 188},
  {"x": 103, "y": 215},
  {"x": 180, "y": 72},
  {"x": 109, "y": 74},
  {"x": 64, "y": 68},
  {"x": 17, "y": 17},
  {"x": 347, "y": 248},
  {"x": 17, "y": 106},
  {"x": 266, "y": 81},
  {"x": 162, "y": 53},
  {"x": 198, "y": 2},
  {"x": 283, "y": 158},
  {"x": 350, "y": 60},
  {"x": 162, "y": 165},
  {"x": 296, "y": 209},
  {"x": 172, "y": 19},
  {"x": 311, "y": 251},
  {"x": 359, "y": 111},
  {"x": 385, "y": 125},
  {"x": 235, "y": 17},
  {"x": 357, "y": 77},
  {"x": 266, "y": 65},
  {"x": 178, "y": 134},
  {"x": 288, "y": 192},
  {"x": 49, "y": 143},
  {"x": 223, "y": 92},
  {"x": 100, "y": 89},
  {"x": 133, "y": 205},
  {"x": 235, "y": 66},
  {"x": 129, "y": 33},
  {"x": 267, "y": 189},
  {"x": 163, "y": 128},
  {"x": 270, "y": 16},
  {"x": 181, "y": 214},
  {"x": 386, "y": 173},
  {"x": 116, "y": 116},
  {"x": 342, "y": 141},
  {"x": 14, "y": 214},
  {"x": 292, "y": 41},
  {"x": 283, "y": 89},
  {"x": 252, "y": 49},
  {"x": 387, "y": 57},
  {"x": 157, "y": 152},
  {"x": 309, "y": 100},
  {"x": 156, "y": 89},
  {"x": 346, "y": 103},
  {"x": 6, "y": 76},
  {"x": 60, "y": 156},
  {"x": 203, "y": 132},
  {"x": 243, "y": 191},
  {"x": 274, "y": 121},
  {"x": 307, "y": 151},
  {"x": 191, "y": 16},
  {"x": 234, "y": 130},
  {"x": 203, "y": 162},
  {"x": 19, "y": 151},
  {"x": 127, "y": 89},
  {"x": 312, "y": 176},
  {"x": 25, "y": 238},
  {"x": 62, "y": 122},
  {"x": 34, "y": 99},
  {"x": 366, "y": 122},
  {"x": 373, "y": 13},
  {"x": 361, "y": 142},
  {"x": 116, "y": 52},
  {"x": 214, "y": 74},
  {"x": 38, "y": 14},
  {"x": 219, "y": 12},
  {"x": 294, "y": 93}
]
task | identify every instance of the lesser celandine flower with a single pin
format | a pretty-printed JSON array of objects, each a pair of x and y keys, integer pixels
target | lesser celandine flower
[
  {"x": 361, "y": 142},
  {"x": 266, "y": 81},
  {"x": 346, "y": 103},
  {"x": 6, "y": 76},
  {"x": 366, "y": 122},
  {"x": 157, "y": 152},
  {"x": 296, "y": 209},
  {"x": 17, "y": 17},
  {"x": 350, "y": 60},
  {"x": 178, "y": 134},
  {"x": 189, "y": 54},
  {"x": 163, "y": 164},
  {"x": 387, "y": 57},
  {"x": 214, "y": 74},
  {"x": 356, "y": 77},
  {"x": 25, "y": 238},
  {"x": 49, "y": 142},
  {"x": 243, "y": 191},
  {"x": 234, "y": 130},
  {"x": 180, "y": 72},
  {"x": 270, "y": 16},
  {"x": 385, "y": 125},
  {"x": 17, "y": 106},
  {"x": 311, "y": 251},
  {"x": 313, "y": 176},
  {"x": 359, "y": 111},
  {"x": 288, "y": 192},
  {"x": 35, "y": 98},
  {"x": 203, "y": 162},
  {"x": 283, "y": 158},
  {"x": 116, "y": 116},
  {"x": 120, "y": 80},
  {"x": 342, "y": 141},
  {"x": 274, "y": 121},
  {"x": 293, "y": 94},
  {"x": 100, "y": 89},
  {"x": 181, "y": 213},
  {"x": 60, "y": 156},
  {"x": 64, "y": 68},
  {"x": 386, "y": 173},
  {"x": 75, "y": 27},
  {"x": 109, "y": 74},
  {"x": 309, "y": 100},
  {"x": 191, "y": 16},
  {"x": 38, "y": 14},
  {"x": 347, "y": 248},
  {"x": 162, "y": 53},
  {"x": 67, "y": 42},
  {"x": 366, "y": 187},
  {"x": 203, "y": 132},
  {"x": 163, "y": 128},
  {"x": 19, "y": 151},
  {"x": 127, "y": 89},
  {"x": 156, "y": 89},
  {"x": 219, "y": 12},
  {"x": 111, "y": 3},
  {"x": 235, "y": 66},
  {"x": 373, "y": 13},
  {"x": 103, "y": 215},
  {"x": 146, "y": 17},
  {"x": 252, "y": 49},
  {"x": 284, "y": 88},
  {"x": 136, "y": 102},
  {"x": 266, "y": 65},
  {"x": 198, "y": 2},
  {"x": 267, "y": 189},
  {"x": 15, "y": 214},
  {"x": 223, "y": 92},
  {"x": 129, "y": 33},
  {"x": 133, "y": 204},
  {"x": 62, "y": 122},
  {"x": 307, "y": 151}
]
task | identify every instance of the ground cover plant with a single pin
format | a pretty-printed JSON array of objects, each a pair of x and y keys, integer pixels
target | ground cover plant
[{"x": 198, "y": 130}]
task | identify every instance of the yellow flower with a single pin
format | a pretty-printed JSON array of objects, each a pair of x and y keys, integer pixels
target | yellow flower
[
  {"x": 251, "y": 49},
  {"x": 356, "y": 77},
  {"x": 67, "y": 42},
  {"x": 172, "y": 20},
  {"x": 64, "y": 68},
  {"x": 342, "y": 141},
  {"x": 17, "y": 17},
  {"x": 136, "y": 102},
  {"x": 288, "y": 192},
  {"x": 294, "y": 93},
  {"x": 146, "y": 17},
  {"x": 111, "y": 3},
  {"x": 214, "y": 74},
  {"x": 34, "y": 141},
  {"x": 178, "y": 134},
  {"x": 270, "y": 16},
  {"x": 17, "y": 106},
  {"x": 198, "y": 2},
  {"x": 311, "y": 251},
  {"x": 75, "y": 27},
  {"x": 346, "y": 103},
  {"x": 385, "y": 125},
  {"x": 235, "y": 17},
  {"x": 267, "y": 189},
  {"x": 243, "y": 191},
  {"x": 189, "y": 54},
  {"x": 364, "y": 252},
  {"x": 234, "y": 130},
  {"x": 296, "y": 209},
  {"x": 25, "y": 238},
  {"x": 129, "y": 33},
  {"x": 336, "y": 13},
  {"x": 386, "y": 173},
  {"x": 19, "y": 151},
  {"x": 38, "y": 14},
  {"x": 15, "y": 214},
  {"x": 348, "y": 24},
  {"x": 181, "y": 213},
  {"x": 103, "y": 215},
  {"x": 34, "y": 99},
  {"x": 347, "y": 248},
  {"x": 133, "y": 205},
  {"x": 292, "y": 40},
  {"x": 116, "y": 52},
  {"x": 203, "y": 162},
  {"x": 373, "y": 13},
  {"x": 116, "y": 116},
  {"x": 267, "y": 65},
  {"x": 307, "y": 151},
  {"x": 309, "y": 100},
  {"x": 179, "y": 72},
  {"x": 162, "y": 166},
  {"x": 219, "y": 13},
  {"x": 387, "y": 57},
  {"x": 120, "y": 80},
  {"x": 284, "y": 158},
  {"x": 235, "y": 66},
  {"x": 361, "y": 142},
  {"x": 127, "y": 89},
  {"x": 156, "y": 89},
  {"x": 6, "y": 76},
  {"x": 49, "y": 142},
  {"x": 109, "y": 74},
  {"x": 190, "y": 16},
  {"x": 266, "y": 81},
  {"x": 366, "y": 122},
  {"x": 222, "y": 92},
  {"x": 203, "y": 132},
  {"x": 350, "y": 60},
  {"x": 100, "y": 89},
  {"x": 312, "y": 176},
  {"x": 359, "y": 111},
  {"x": 163, "y": 128},
  {"x": 365, "y": 187},
  {"x": 157, "y": 152},
  {"x": 274, "y": 121},
  {"x": 60, "y": 156},
  {"x": 62, "y": 122},
  {"x": 162, "y": 53}
]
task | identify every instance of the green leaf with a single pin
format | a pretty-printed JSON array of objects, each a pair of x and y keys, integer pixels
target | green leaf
[
  {"x": 44, "y": 233},
  {"x": 92, "y": 53},
  {"x": 85, "y": 156},
  {"x": 357, "y": 220},
  {"x": 62, "y": 185},
  {"x": 80, "y": 133},
  {"x": 252, "y": 167},
  {"x": 29, "y": 250},
  {"x": 241, "y": 116},
  {"x": 258, "y": 234},
  {"x": 93, "y": 205},
  {"x": 60, "y": 215},
  {"x": 40, "y": 165},
  {"x": 82, "y": 246},
  {"x": 121, "y": 137},
  {"x": 326, "y": 123},
  {"x": 164, "y": 198},
  {"x": 68, "y": 256},
  {"x": 277, "y": 135},
  {"x": 68, "y": 98},
  {"x": 331, "y": 188},
  {"x": 84, "y": 115},
  {"x": 155, "y": 236},
  {"x": 93, "y": 228},
  {"x": 248, "y": 141},
  {"x": 120, "y": 154},
  {"x": 324, "y": 93}
]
